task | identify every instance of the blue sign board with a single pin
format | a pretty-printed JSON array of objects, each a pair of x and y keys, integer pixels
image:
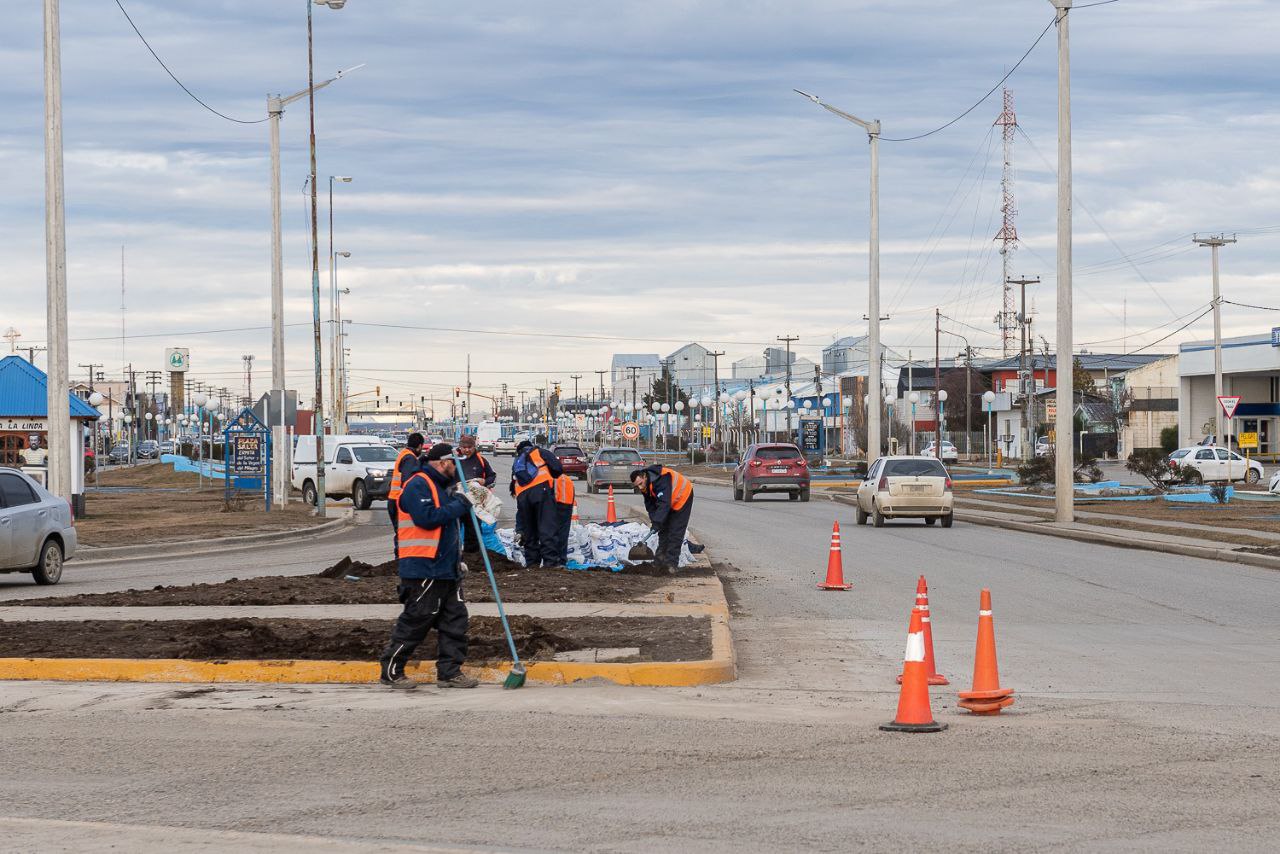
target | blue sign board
[
  {"x": 248, "y": 456},
  {"x": 1275, "y": 336}
]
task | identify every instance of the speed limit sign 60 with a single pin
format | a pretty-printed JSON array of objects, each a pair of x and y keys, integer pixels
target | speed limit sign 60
[{"x": 631, "y": 430}]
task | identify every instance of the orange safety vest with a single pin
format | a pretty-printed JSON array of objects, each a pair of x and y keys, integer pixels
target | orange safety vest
[
  {"x": 564, "y": 489},
  {"x": 681, "y": 488},
  {"x": 397, "y": 480},
  {"x": 543, "y": 476},
  {"x": 411, "y": 540}
]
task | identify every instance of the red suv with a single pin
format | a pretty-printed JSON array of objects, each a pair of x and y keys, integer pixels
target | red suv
[
  {"x": 572, "y": 460},
  {"x": 771, "y": 468}
]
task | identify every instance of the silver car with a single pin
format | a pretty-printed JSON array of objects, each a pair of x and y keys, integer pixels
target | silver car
[
  {"x": 613, "y": 467},
  {"x": 37, "y": 533}
]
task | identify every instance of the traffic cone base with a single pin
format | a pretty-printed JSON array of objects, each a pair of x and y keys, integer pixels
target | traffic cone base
[
  {"x": 935, "y": 679},
  {"x": 835, "y": 564},
  {"x": 987, "y": 696},
  {"x": 931, "y": 726}
]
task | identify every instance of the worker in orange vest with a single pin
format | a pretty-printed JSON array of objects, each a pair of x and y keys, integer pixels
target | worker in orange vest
[
  {"x": 668, "y": 496},
  {"x": 564, "y": 495},
  {"x": 405, "y": 465},
  {"x": 532, "y": 483},
  {"x": 430, "y": 587}
]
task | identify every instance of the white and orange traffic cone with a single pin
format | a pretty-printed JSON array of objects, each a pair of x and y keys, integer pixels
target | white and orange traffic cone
[
  {"x": 987, "y": 697},
  {"x": 914, "y": 714},
  {"x": 835, "y": 564},
  {"x": 575, "y": 518},
  {"x": 611, "y": 517},
  {"x": 922, "y": 605}
]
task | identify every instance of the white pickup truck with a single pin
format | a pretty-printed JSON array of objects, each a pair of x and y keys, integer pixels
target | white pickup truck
[{"x": 356, "y": 467}]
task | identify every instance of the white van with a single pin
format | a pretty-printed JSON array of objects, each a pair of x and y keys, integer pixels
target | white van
[
  {"x": 356, "y": 467},
  {"x": 487, "y": 435}
]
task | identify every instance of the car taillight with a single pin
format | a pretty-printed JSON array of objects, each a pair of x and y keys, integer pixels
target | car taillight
[
  {"x": 884, "y": 483},
  {"x": 948, "y": 486},
  {"x": 602, "y": 462},
  {"x": 801, "y": 463},
  {"x": 71, "y": 511},
  {"x": 756, "y": 463}
]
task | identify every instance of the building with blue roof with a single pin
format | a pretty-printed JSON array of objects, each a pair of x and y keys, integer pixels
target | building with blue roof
[{"x": 24, "y": 416}]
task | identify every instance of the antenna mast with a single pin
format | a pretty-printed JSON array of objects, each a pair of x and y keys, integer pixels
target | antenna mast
[{"x": 1008, "y": 236}]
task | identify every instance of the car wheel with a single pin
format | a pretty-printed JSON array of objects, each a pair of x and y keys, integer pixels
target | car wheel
[
  {"x": 862, "y": 517},
  {"x": 948, "y": 519},
  {"x": 747, "y": 494},
  {"x": 360, "y": 496},
  {"x": 737, "y": 492},
  {"x": 49, "y": 569},
  {"x": 929, "y": 520},
  {"x": 804, "y": 494},
  {"x": 1252, "y": 476},
  {"x": 793, "y": 496},
  {"x": 1193, "y": 477},
  {"x": 877, "y": 518},
  {"x": 309, "y": 493}
]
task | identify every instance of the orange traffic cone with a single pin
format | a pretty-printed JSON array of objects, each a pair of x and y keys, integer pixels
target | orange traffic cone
[
  {"x": 612, "y": 517},
  {"x": 987, "y": 697},
  {"x": 575, "y": 514},
  {"x": 914, "y": 714},
  {"x": 835, "y": 564},
  {"x": 922, "y": 605}
]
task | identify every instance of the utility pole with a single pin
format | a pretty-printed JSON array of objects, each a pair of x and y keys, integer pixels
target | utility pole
[
  {"x": 318, "y": 414},
  {"x": 55, "y": 249},
  {"x": 602, "y": 394},
  {"x": 1215, "y": 243},
  {"x": 1064, "y": 475},
  {"x": 468, "y": 418},
  {"x": 788, "y": 339},
  {"x": 968, "y": 398},
  {"x": 1026, "y": 379},
  {"x": 937, "y": 383},
  {"x": 715, "y": 370},
  {"x": 576, "y": 405},
  {"x": 248, "y": 375}
]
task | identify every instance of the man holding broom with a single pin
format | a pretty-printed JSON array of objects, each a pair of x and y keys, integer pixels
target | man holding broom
[{"x": 430, "y": 588}]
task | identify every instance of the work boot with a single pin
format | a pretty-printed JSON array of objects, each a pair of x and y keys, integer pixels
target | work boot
[
  {"x": 404, "y": 683},
  {"x": 462, "y": 680}
]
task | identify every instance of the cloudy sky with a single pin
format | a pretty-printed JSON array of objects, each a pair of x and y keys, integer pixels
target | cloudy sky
[{"x": 639, "y": 174}]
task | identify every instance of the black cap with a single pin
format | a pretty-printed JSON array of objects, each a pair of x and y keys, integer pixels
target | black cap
[
  {"x": 439, "y": 451},
  {"x": 524, "y": 443}
]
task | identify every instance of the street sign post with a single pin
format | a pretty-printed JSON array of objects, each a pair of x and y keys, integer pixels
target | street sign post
[
  {"x": 247, "y": 457},
  {"x": 1228, "y": 402},
  {"x": 1248, "y": 441},
  {"x": 811, "y": 434},
  {"x": 631, "y": 431}
]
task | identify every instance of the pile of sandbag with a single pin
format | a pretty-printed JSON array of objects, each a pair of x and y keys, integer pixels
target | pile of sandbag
[{"x": 595, "y": 546}]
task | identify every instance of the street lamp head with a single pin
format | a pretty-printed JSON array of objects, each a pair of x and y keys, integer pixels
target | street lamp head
[
  {"x": 914, "y": 398},
  {"x": 96, "y": 399},
  {"x": 346, "y": 179},
  {"x": 988, "y": 397},
  {"x": 942, "y": 395},
  {"x": 813, "y": 98},
  {"x": 826, "y": 401},
  {"x": 332, "y": 4},
  {"x": 343, "y": 254}
]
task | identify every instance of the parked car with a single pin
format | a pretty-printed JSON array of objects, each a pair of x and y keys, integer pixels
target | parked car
[
  {"x": 572, "y": 459},
  {"x": 37, "y": 533},
  {"x": 905, "y": 487},
  {"x": 1043, "y": 446},
  {"x": 1212, "y": 464},
  {"x": 771, "y": 467},
  {"x": 950, "y": 454},
  {"x": 355, "y": 467},
  {"x": 168, "y": 446},
  {"x": 508, "y": 445},
  {"x": 149, "y": 449},
  {"x": 1274, "y": 485},
  {"x": 118, "y": 455},
  {"x": 613, "y": 467}
]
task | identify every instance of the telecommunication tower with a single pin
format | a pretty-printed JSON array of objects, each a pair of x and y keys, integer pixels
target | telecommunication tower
[{"x": 1007, "y": 319}]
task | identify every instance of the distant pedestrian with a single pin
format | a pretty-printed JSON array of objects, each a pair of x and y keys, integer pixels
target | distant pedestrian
[
  {"x": 532, "y": 476},
  {"x": 430, "y": 573},
  {"x": 405, "y": 465},
  {"x": 476, "y": 469},
  {"x": 668, "y": 496}
]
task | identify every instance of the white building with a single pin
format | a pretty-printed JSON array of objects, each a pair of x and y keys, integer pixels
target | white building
[
  {"x": 1150, "y": 399},
  {"x": 694, "y": 369},
  {"x": 1250, "y": 369},
  {"x": 621, "y": 383}
]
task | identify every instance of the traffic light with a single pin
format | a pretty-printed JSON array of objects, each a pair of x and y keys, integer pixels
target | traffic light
[
  {"x": 457, "y": 391},
  {"x": 377, "y": 391}
]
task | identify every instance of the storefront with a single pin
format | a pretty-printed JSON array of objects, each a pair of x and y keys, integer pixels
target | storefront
[
  {"x": 24, "y": 420},
  {"x": 1250, "y": 370}
]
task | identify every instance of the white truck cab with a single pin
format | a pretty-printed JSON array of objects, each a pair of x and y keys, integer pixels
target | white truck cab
[{"x": 356, "y": 467}]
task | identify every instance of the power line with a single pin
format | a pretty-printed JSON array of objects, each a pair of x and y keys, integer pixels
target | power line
[
  {"x": 1246, "y": 305},
  {"x": 980, "y": 101},
  {"x": 1171, "y": 334},
  {"x": 193, "y": 95}
]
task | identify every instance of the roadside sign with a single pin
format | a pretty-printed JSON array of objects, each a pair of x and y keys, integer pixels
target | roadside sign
[
  {"x": 1248, "y": 440},
  {"x": 177, "y": 359},
  {"x": 1051, "y": 409},
  {"x": 1229, "y": 404},
  {"x": 706, "y": 432},
  {"x": 631, "y": 430},
  {"x": 1275, "y": 336},
  {"x": 811, "y": 434}
]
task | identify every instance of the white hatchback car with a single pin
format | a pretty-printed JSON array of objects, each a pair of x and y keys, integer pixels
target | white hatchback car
[
  {"x": 1212, "y": 464},
  {"x": 906, "y": 487},
  {"x": 950, "y": 454}
]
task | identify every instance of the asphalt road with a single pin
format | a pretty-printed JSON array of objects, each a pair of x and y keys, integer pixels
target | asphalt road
[{"x": 1146, "y": 720}]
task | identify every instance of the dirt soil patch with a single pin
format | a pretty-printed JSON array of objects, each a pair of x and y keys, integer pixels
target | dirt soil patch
[
  {"x": 376, "y": 585},
  {"x": 153, "y": 504},
  {"x": 657, "y": 638}
]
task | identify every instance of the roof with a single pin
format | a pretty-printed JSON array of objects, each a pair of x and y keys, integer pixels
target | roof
[
  {"x": 639, "y": 360},
  {"x": 846, "y": 341},
  {"x": 1114, "y": 362},
  {"x": 24, "y": 392}
]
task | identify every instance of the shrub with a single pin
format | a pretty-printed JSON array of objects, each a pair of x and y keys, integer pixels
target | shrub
[
  {"x": 1035, "y": 471},
  {"x": 1150, "y": 464},
  {"x": 1169, "y": 439}
]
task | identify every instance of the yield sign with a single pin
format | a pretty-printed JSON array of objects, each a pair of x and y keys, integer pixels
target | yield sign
[{"x": 1229, "y": 404}]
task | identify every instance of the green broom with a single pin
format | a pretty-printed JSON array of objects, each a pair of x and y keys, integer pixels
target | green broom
[{"x": 515, "y": 679}]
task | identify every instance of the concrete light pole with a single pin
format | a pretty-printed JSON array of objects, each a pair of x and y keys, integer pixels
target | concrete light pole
[
  {"x": 1214, "y": 244},
  {"x": 340, "y": 348},
  {"x": 335, "y": 331},
  {"x": 275, "y": 109},
  {"x": 1064, "y": 441},
  {"x": 873, "y": 291},
  {"x": 55, "y": 248}
]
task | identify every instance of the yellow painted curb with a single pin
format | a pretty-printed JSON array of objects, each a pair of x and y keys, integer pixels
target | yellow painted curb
[{"x": 721, "y": 667}]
